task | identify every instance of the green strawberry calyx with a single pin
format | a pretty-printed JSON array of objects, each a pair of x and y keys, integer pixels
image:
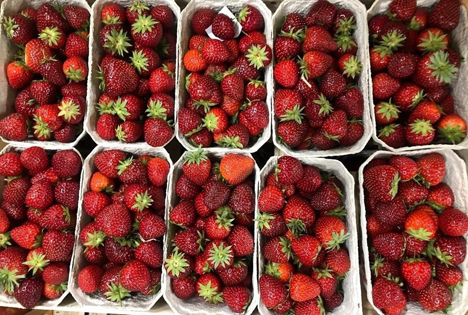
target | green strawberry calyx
[
  {"x": 325, "y": 106},
  {"x": 337, "y": 240},
  {"x": 9, "y": 279},
  {"x": 211, "y": 121},
  {"x": 117, "y": 42},
  {"x": 346, "y": 42},
  {"x": 195, "y": 157},
  {"x": 421, "y": 127},
  {"x": 116, "y": 293},
  {"x": 139, "y": 7},
  {"x": 434, "y": 42},
  {"x": 353, "y": 67},
  {"x": 220, "y": 255},
  {"x": 144, "y": 24},
  {"x": 293, "y": 114},
  {"x": 453, "y": 134},
  {"x": 50, "y": 35},
  {"x": 69, "y": 109},
  {"x": 5, "y": 240},
  {"x": 156, "y": 110},
  {"x": 139, "y": 61},
  {"x": 210, "y": 293},
  {"x": 263, "y": 220},
  {"x": 142, "y": 201},
  {"x": 37, "y": 262},
  {"x": 388, "y": 110},
  {"x": 346, "y": 26},
  {"x": 393, "y": 40},
  {"x": 95, "y": 239},
  {"x": 387, "y": 130},
  {"x": 257, "y": 54},
  {"x": 120, "y": 108},
  {"x": 442, "y": 69},
  {"x": 176, "y": 263}
]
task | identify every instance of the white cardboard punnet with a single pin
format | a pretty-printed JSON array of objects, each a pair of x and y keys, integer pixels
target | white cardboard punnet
[
  {"x": 183, "y": 36},
  {"x": 9, "y": 301},
  {"x": 7, "y": 54},
  {"x": 352, "y": 303},
  {"x": 459, "y": 88},
  {"x": 456, "y": 178},
  {"x": 138, "y": 302},
  {"x": 361, "y": 37},
  {"x": 196, "y": 305},
  {"x": 97, "y": 53}
]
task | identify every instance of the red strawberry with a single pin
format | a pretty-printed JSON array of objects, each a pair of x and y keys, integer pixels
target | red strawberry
[
  {"x": 303, "y": 288},
  {"x": 393, "y": 135},
  {"x": 384, "y": 86},
  {"x": 389, "y": 245},
  {"x": 307, "y": 249},
  {"x": 335, "y": 126},
  {"x": 432, "y": 168},
  {"x": 135, "y": 276},
  {"x": 453, "y": 222},
  {"x": 417, "y": 272},
  {"x": 287, "y": 45},
  {"x": 435, "y": 70},
  {"x": 119, "y": 77},
  {"x": 89, "y": 278},
  {"x": 29, "y": 292},
  {"x": 164, "y": 15},
  {"x": 322, "y": 13},
  {"x": 406, "y": 167},
  {"x": 289, "y": 170},
  {"x": 318, "y": 38},
  {"x": 223, "y": 26},
  {"x": 293, "y": 21},
  {"x": 58, "y": 246},
  {"x": 114, "y": 220},
  {"x": 18, "y": 75},
  {"x": 392, "y": 213},
  {"x": 451, "y": 276},
  {"x": 450, "y": 250},
  {"x": 420, "y": 225},
  {"x": 184, "y": 288},
  {"x": 386, "y": 293},
  {"x": 250, "y": 18},
  {"x": 413, "y": 193},
  {"x": 382, "y": 182},
  {"x": 209, "y": 288},
  {"x": 316, "y": 63},
  {"x": 202, "y": 19},
  {"x": 440, "y": 196},
  {"x": 435, "y": 297},
  {"x": 445, "y": 15},
  {"x": 19, "y": 28},
  {"x": 10, "y": 164},
  {"x": 237, "y": 298},
  {"x": 147, "y": 31},
  {"x": 27, "y": 235},
  {"x": 286, "y": 73},
  {"x": 272, "y": 291},
  {"x": 77, "y": 45},
  {"x": 151, "y": 226}
]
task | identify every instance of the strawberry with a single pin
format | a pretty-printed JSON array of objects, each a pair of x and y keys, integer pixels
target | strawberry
[
  {"x": 119, "y": 77},
  {"x": 289, "y": 170},
  {"x": 417, "y": 272},
  {"x": 440, "y": 196},
  {"x": 216, "y": 120},
  {"x": 385, "y": 268},
  {"x": 406, "y": 167},
  {"x": 250, "y": 39},
  {"x": 379, "y": 58},
  {"x": 241, "y": 240},
  {"x": 58, "y": 246},
  {"x": 27, "y": 236},
  {"x": 298, "y": 215},
  {"x": 16, "y": 190},
  {"x": 307, "y": 249},
  {"x": 316, "y": 63},
  {"x": 420, "y": 132},
  {"x": 272, "y": 291},
  {"x": 147, "y": 31},
  {"x": 39, "y": 196},
  {"x": 164, "y": 15},
  {"x": 452, "y": 128},
  {"x": 317, "y": 38},
  {"x": 77, "y": 45},
  {"x": 354, "y": 134},
  {"x": 312, "y": 307},
  {"x": 435, "y": 297},
  {"x": 250, "y": 19},
  {"x": 205, "y": 90},
  {"x": 382, "y": 182},
  {"x": 445, "y": 15},
  {"x": 286, "y": 73},
  {"x": 402, "y": 65},
  {"x": 55, "y": 273},
  {"x": 391, "y": 213},
  {"x": 384, "y": 86},
  {"x": 29, "y": 292},
  {"x": 197, "y": 167},
  {"x": 245, "y": 69},
  {"x": 66, "y": 163},
  {"x": 194, "y": 61},
  {"x": 57, "y": 217},
  {"x": 255, "y": 117},
  {"x": 145, "y": 60},
  {"x": 77, "y": 17},
  {"x": 453, "y": 222},
  {"x": 129, "y": 131},
  {"x": 53, "y": 37},
  {"x": 107, "y": 162},
  {"x": 386, "y": 293},
  {"x": 214, "y": 51},
  {"x": 327, "y": 281},
  {"x": 157, "y": 132},
  {"x": 189, "y": 241},
  {"x": 408, "y": 96},
  {"x": 25, "y": 103},
  {"x": 223, "y": 27},
  {"x": 50, "y": 16},
  {"x": 332, "y": 84},
  {"x": 186, "y": 189},
  {"x": 209, "y": 288},
  {"x": 303, "y": 288},
  {"x": 110, "y": 285},
  {"x": 132, "y": 171},
  {"x": 114, "y": 220},
  {"x": 202, "y": 19},
  {"x": 235, "y": 168},
  {"x": 451, "y": 276},
  {"x": 389, "y": 245},
  {"x": 322, "y": 13},
  {"x": 10, "y": 164},
  {"x": 158, "y": 169},
  {"x": 75, "y": 69},
  {"x": 18, "y": 75},
  {"x": 335, "y": 126},
  {"x": 259, "y": 55},
  {"x": 74, "y": 88},
  {"x": 135, "y": 276},
  {"x": 331, "y": 232},
  {"x": 151, "y": 226},
  {"x": 428, "y": 111},
  {"x": 350, "y": 66},
  {"x": 271, "y": 199},
  {"x": 184, "y": 288},
  {"x": 413, "y": 193},
  {"x": 19, "y": 29},
  {"x": 43, "y": 92},
  {"x": 237, "y": 298},
  {"x": 420, "y": 225},
  {"x": 89, "y": 278},
  {"x": 287, "y": 45},
  {"x": 435, "y": 70},
  {"x": 292, "y": 133},
  {"x": 242, "y": 199},
  {"x": 403, "y": 10},
  {"x": 293, "y": 21},
  {"x": 183, "y": 214},
  {"x": 432, "y": 168}
]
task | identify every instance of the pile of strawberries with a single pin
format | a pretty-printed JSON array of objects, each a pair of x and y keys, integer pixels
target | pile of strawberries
[
  {"x": 301, "y": 222},
  {"x": 226, "y": 84},
  {"x": 415, "y": 233},
  {"x": 123, "y": 244},
  {"x": 214, "y": 238},
  {"x": 137, "y": 73},
  {"x": 413, "y": 62},
  {"x": 49, "y": 72},
  {"x": 37, "y": 221},
  {"x": 317, "y": 102}
]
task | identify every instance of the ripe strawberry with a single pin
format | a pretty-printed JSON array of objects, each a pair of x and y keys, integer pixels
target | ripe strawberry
[
  {"x": 245, "y": 69},
  {"x": 386, "y": 293},
  {"x": 235, "y": 168},
  {"x": 327, "y": 281},
  {"x": 417, "y": 272},
  {"x": 379, "y": 57},
  {"x": 413, "y": 193},
  {"x": 440, "y": 196},
  {"x": 272, "y": 291},
  {"x": 392, "y": 213},
  {"x": 189, "y": 241},
  {"x": 451, "y": 276},
  {"x": 194, "y": 61},
  {"x": 119, "y": 77},
  {"x": 53, "y": 37},
  {"x": 435, "y": 70},
  {"x": 58, "y": 246},
  {"x": 289, "y": 170},
  {"x": 292, "y": 133},
  {"x": 77, "y": 17},
  {"x": 19, "y": 29},
  {"x": 223, "y": 26},
  {"x": 18, "y": 75},
  {"x": 331, "y": 231},
  {"x": 307, "y": 249},
  {"x": 389, "y": 245},
  {"x": 183, "y": 214},
  {"x": 403, "y": 10},
  {"x": 316, "y": 63},
  {"x": 406, "y": 167},
  {"x": 66, "y": 163},
  {"x": 55, "y": 273},
  {"x": 432, "y": 168},
  {"x": 29, "y": 292},
  {"x": 237, "y": 298},
  {"x": 242, "y": 199},
  {"x": 43, "y": 92},
  {"x": 408, "y": 96},
  {"x": 158, "y": 169},
  {"x": 75, "y": 69},
  {"x": 49, "y": 16},
  {"x": 209, "y": 287},
  {"x": 452, "y": 128},
  {"x": 420, "y": 132},
  {"x": 39, "y": 196},
  {"x": 353, "y": 135},
  {"x": 287, "y": 45},
  {"x": 89, "y": 278},
  {"x": 57, "y": 217},
  {"x": 332, "y": 84},
  {"x": 382, "y": 182},
  {"x": 114, "y": 220},
  {"x": 157, "y": 132},
  {"x": 317, "y": 38},
  {"x": 250, "y": 39},
  {"x": 184, "y": 288},
  {"x": 445, "y": 15},
  {"x": 384, "y": 86},
  {"x": 214, "y": 51},
  {"x": 27, "y": 235},
  {"x": 450, "y": 250},
  {"x": 286, "y": 73},
  {"x": 335, "y": 126},
  {"x": 250, "y": 19},
  {"x": 77, "y": 45},
  {"x": 453, "y": 222},
  {"x": 25, "y": 103},
  {"x": 151, "y": 226},
  {"x": 74, "y": 88},
  {"x": 293, "y": 21},
  {"x": 241, "y": 240},
  {"x": 135, "y": 276},
  {"x": 351, "y": 101},
  {"x": 202, "y": 19},
  {"x": 206, "y": 90},
  {"x": 435, "y": 297},
  {"x": 147, "y": 31},
  {"x": 164, "y": 15},
  {"x": 420, "y": 225},
  {"x": 298, "y": 215},
  {"x": 303, "y": 288}
]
